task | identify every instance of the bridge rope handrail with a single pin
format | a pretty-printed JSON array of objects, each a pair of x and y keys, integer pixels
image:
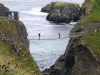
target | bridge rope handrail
[
  {"x": 61, "y": 37},
  {"x": 47, "y": 38}
]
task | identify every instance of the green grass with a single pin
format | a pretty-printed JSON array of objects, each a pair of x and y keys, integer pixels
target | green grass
[
  {"x": 8, "y": 26},
  {"x": 93, "y": 41},
  {"x": 62, "y": 4},
  {"x": 27, "y": 66},
  {"x": 53, "y": 13},
  {"x": 94, "y": 15},
  {"x": 59, "y": 5}
]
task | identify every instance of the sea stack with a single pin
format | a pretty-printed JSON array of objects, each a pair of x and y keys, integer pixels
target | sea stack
[{"x": 62, "y": 12}]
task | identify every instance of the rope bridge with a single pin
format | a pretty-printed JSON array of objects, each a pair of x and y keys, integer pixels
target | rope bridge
[
  {"x": 45, "y": 38},
  {"x": 52, "y": 37}
]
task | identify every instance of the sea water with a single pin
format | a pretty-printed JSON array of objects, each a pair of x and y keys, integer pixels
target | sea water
[{"x": 45, "y": 52}]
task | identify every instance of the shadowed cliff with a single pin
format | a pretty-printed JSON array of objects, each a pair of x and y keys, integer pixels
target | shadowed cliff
[{"x": 82, "y": 55}]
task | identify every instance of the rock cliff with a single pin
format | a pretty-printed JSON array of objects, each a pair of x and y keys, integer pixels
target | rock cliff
[
  {"x": 15, "y": 58},
  {"x": 3, "y": 10},
  {"x": 82, "y": 55},
  {"x": 22, "y": 33},
  {"x": 62, "y": 12}
]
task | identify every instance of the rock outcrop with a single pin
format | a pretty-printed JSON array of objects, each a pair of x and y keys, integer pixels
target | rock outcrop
[
  {"x": 15, "y": 57},
  {"x": 77, "y": 60},
  {"x": 22, "y": 33},
  {"x": 62, "y": 12},
  {"x": 82, "y": 55},
  {"x": 3, "y": 10}
]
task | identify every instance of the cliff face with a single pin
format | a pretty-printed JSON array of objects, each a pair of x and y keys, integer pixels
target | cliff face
[
  {"x": 87, "y": 6},
  {"x": 62, "y": 12},
  {"x": 82, "y": 55},
  {"x": 3, "y": 10},
  {"x": 22, "y": 33},
  {"x": 77, "y": 60},
  {"x": 15, "y": 58}
]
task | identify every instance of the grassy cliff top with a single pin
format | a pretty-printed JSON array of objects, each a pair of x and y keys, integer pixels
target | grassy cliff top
[
  {"x": 19, "y": 65},
  {"x": 9, "y": 26},
  {"x": 93, "y": 41},
  {"x": 62, "y": 4},
  {"x": 91, "y": 20},
  {"x": 94, "y": 15}
]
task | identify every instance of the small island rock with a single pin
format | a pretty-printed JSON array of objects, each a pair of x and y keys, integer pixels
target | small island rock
[{"x": 62, "y": 12}]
